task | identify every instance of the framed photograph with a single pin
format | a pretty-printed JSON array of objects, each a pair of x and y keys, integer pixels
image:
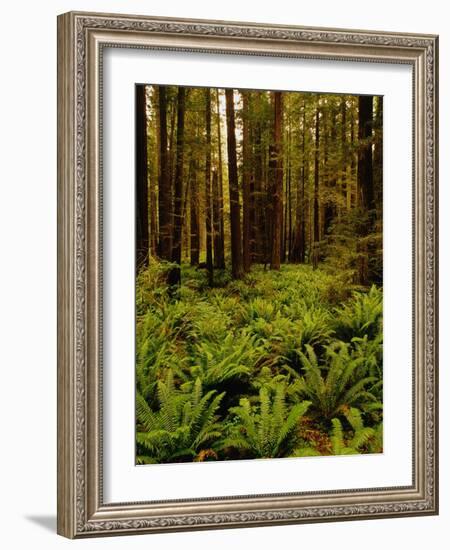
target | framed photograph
[{"x": 247, "y": 287}]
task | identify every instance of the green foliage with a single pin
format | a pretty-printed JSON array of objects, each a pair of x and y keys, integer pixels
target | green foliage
[
  {"x": 349, "y": 243},
  {"x": 262, "y": 367},
  {"x": 209, "y": 323},
  {"x": 183, "y": 425},
  {"x": 359, "y": 440},
  {"x": 360, "y": 317},
  {"x": 151, "y": 290},
  {"x": 278, "y": 362},
  {"x": 269, "y": 380},
  {"x": 341, "y": 381},
  {"x": 218, "y": 362},
  {"x": 155, "y": 353},
  {"x": 258, "y": 308},
  {"x": 376, "y": 442},
  {"x": 267, "y": 429},
  {"x": 316, "y": 327}
]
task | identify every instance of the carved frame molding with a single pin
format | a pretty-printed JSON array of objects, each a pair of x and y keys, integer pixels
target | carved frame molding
[{"x": 81, "y": 39}]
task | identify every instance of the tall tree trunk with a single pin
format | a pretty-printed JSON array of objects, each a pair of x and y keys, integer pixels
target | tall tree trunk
[
  {"x": 331, "y": 169},
  {"x": 175, "y": 272},
  {"x": 365, "y": 183},
  {"x": 165, "y": 190},
  {"x": 142, "y": 235},
  {"x": 286, "y": 239},
  {"x": 298, "y": 245},
  {"x": 352, "y": 197},
  {"x": 378, "y": 157},
  {"x": 194, "y": 221},
  {"x": 216, "y": 216},
  {"x": 289, "y": 211},
  {"x": 303, "y": 202},
  {"x": 185, "y": 219},
  {"x": 258, "y": 193},
  {"x": 246, "y": 195},
  {"x": 316, "y": 230},
  {"x": 235, "y": 221},
  {"x": 285, "y": 217},
  {"x": 172, "y": 110},
  {"x": 376, "y": 251},
  {"x": 365, "y": 165},
  {"x": 219, "y": 238},
  {"x": 153, "y": 218},
  {"x": 277, "y": 198},
  {"x": 252, "y": 206},
  {"x": 344, "y": 179},
  {"x": 153, "y": 151},
  {"x": 208, "y": 209},
  {"x": 268, "y": 168}
]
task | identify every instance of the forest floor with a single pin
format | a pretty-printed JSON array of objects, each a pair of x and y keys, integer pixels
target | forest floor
[{"x": 279, "y": 364}]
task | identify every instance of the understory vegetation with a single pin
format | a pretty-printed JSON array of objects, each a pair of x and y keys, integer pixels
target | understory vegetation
[{"x": 277, "y": 364}]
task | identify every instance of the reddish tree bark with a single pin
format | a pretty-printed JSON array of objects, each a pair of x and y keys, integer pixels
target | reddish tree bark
[
  {"x": 175, "y": 273},
  {"x": 165, "y": 187},
  {"x": 365, "y": 165},
  {"x": 277, "y": 185},
  {"x": 142, "y": 234},
  {"x": 316, "y": 228},
  {"x": 235, "y": 220},
  {"x": 246, "y": 183},
  {"x": 219, "y": 232},
  {"x": 194, "y": 220},
  {"x": 299, "y": 240},
  {"x": 208, "y": 209}
]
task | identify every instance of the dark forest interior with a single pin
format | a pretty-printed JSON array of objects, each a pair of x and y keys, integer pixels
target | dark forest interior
[{"x": 258, "y": 274}]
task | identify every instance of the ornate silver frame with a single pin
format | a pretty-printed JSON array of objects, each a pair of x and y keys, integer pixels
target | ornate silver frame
[{"x": 81, "y": 37}]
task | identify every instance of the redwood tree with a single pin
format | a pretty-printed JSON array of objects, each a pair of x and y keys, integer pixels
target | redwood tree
[
  {"x": 365, "y": 183},
  {"x": 208, "y": 209},
  {"x": 258, "y": 185},
  {"x": 277, "y": 183},
  {"x": 219, "y": 228},
  {"x": 165, "y": 187},
  {"x": 299, "y": 240},
  {"x": 316, "y": 226},
  {"x": 175, "y": 272},
  {"x": 246, "y": 185},
  {"x": 194, "y": 244},
  {"x": 365, "y": 167},
  {"x": 142, "y": 235},
  {"x": 235, "y": 220}
]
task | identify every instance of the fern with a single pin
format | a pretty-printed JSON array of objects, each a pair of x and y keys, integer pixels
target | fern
[
  {"x": 261, "y": 309},
  {"x": 341, "y": 382},
  {"x": 372, "y": 352},
  {"x": 233, "y": 358},
  {"x": 235, "y": 364},
  {"x": 155, "y": 354},
  {"x": 359, "y": 439},
  {"x": 268, "y": 429},
  {"x": 360, "y": 317},
  {"x": 269, "y": 380},
  {"x": 316, "y": 327},
  {"x": 184, "y": 424}
]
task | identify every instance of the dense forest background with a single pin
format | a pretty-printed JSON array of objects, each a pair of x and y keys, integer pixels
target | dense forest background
[
  {"x": 259, "y": 177},
  {"x": 259, "y": 273}
]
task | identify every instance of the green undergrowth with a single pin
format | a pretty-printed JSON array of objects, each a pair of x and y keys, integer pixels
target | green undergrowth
[{"x": 277, "y": 364}]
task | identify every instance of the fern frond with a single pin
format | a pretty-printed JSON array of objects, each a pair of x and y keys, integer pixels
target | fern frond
[
  {"x": 144, "y": 414},
  {"x": 290, "y": 423},
  {"x": 337, "y": 437},
  {"x": 362, "y": 437}
]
